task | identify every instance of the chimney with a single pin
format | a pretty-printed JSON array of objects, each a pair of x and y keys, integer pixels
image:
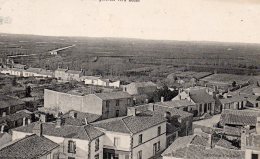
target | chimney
[
  {"x": 4, "y": 114},
  {"x": 43, "y": 118},
  {"x": 37, "y": 129},
  {"x": 258, "y": 125},
  {"x": 24, "y": 121},
  {"x": 151, "y": 107},
  {"x": 58, "y": 122},
  {"x": 131, "y": 111},
  {"x": 2, "y": 128},
  {"x": 162, "y": 99},
  {"x": 209, "y": 141},
  {"x": 146, "y": 101},
  {"x": 244, "y": 135},
  {"x": 86, "y": 121}
]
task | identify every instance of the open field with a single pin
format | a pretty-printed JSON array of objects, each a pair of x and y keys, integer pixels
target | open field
[{"x": 114, "y": 56}]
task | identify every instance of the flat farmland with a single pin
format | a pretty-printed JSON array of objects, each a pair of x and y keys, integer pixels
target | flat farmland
[{"x": 114, "y": 56}]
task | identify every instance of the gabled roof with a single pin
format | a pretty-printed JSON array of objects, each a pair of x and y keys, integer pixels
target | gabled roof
[
  {"x": 113, "y": 95},
  {"x": 194, "y": 147},
  {"x": 226, "y": 144},
  {"x": 6, "y": 101},
  {"x": 86, "y": 132},
  {"x": 16, "y": 116},
  {"x": 30, "y": 147},
  {"x": 200, "y": 96},
  {"x": 177, "y": 103},
  {"x": 239, "y": 117},
  {"x": 131, "y": 124}
]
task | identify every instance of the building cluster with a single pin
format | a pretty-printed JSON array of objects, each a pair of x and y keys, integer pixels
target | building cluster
[
  {"x": 61, "y": 74},
  {"x": 122, "y": 124}
]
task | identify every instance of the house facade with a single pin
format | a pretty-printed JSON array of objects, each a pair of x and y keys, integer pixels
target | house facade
[
  {"x": 75, "y": 142},
  {"x": 137, "y": 136},
  {"x": 138, "y": 88},
  {"x": 109, "y": 105},
  {"x": 68, "y": 75},
  {"x": 205, "y": 103}
]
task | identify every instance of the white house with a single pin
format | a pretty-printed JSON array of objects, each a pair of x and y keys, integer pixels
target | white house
[
  {"x": 137, "y": 136},
  {"x": 81, "y": 142},
  {"x": 98, "y": 81}
]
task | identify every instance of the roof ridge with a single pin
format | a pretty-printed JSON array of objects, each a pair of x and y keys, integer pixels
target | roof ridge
[
  {"x": 87, "y": 131},
  {"x": 126, "y": 124}
]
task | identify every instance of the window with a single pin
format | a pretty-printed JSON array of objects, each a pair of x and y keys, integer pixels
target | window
[
  {"x": 254, "y": 156},
  {"x": 158, "y": 146},
  {"x": 117, "y": 102},
  {"x": 107, "y": 103},
  {"x": 159, "y": 131},
  {"x": 97, "y": 156},
  {"x": 71, "y": 157},
  {"x": 140, "y": 138},
  {"x": 139, "y": 155},
  {"x": 128, "y": 101},
  {"x": 185, "y": 109},
  {"x": 71, "y": 147},
  {"x": 96, "y": 144},
  {"x": 116, "y": 141},
  {"x": 117, "y": 113}
]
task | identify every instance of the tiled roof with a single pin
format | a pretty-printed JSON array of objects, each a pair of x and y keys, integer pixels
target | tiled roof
[
  {"x": 90, "y": 77},
  {"x": 16, "y": 116},
  {"x": 131, "y": 124},
  {"x": 200, "y": 152},
  {"x": 162, "y": 109},
  {"x": 74, "y": 72},
  {"x": 233, "y": 131},
  {"x": 183, "y": 147},
  {"x": 239, "y": 117},
  {"x": 30, "y": 147},
  {"x": 226, "y": 144},
  {"x": 86, "y": 132},
  {"x": 177, "y": 103},
  {"x": 79, "y": 118},
  {"x": 233, "y": 99},
  {"x": 200, "y": 96},
  {"x": 61, "y": 69},
  {"x": 142, "y": 84},
  {"x": 113, "y": 95},
  {"x": 6, "y": 101},
  {"x": 181, "y": 143}
]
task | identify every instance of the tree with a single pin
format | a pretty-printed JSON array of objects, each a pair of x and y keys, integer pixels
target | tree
[
  {"x": 28, "y": 91},
  {"x": 163, "y": 92},
  {"x": 14, "y": 81},
  {"x": 234, "y": 84}
]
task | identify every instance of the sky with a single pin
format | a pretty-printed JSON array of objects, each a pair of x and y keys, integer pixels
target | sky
[{"x": 184, "y": 20}]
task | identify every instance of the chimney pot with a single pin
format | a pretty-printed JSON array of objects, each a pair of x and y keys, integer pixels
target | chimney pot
[
  {"x": 162, "y": 99},
  {"x": 2, "y": 128}
]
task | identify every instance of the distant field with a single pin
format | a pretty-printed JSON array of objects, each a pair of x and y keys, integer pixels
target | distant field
[{"x": 112, "y": 56}]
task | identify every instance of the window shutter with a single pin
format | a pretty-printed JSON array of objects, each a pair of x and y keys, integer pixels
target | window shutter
[{"x": 74, "y": 147}]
